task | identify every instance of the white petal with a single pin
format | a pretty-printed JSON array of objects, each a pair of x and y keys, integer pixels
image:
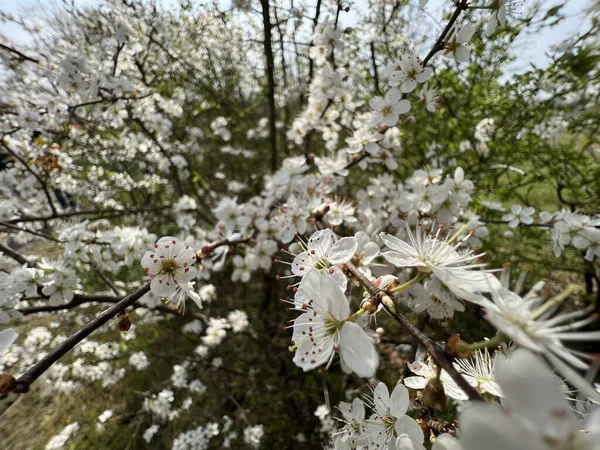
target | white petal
[
  {"x": 342, "y": 251},
  {"x": 151, "y": 263},
  {"x": 302, "y": 264},
  {"x": 336, "y": 275},
  {"x": 398, "y": 244},
  {"x": 358, "y": 409},
  {"x": 462, "y": 54},
  {"x": 532, "y": 392},
  {"x": 7, "y": 337},
  {"x": 472, "y": 281},
  {"x": 416, "y": 382},
  {"x": 320, "y": 242},
  {"x": 163, "y": 286},
  {"x": 491, "y": 25},
  {"x": 401, "y": 260},
  {"x": 370, "y": 251},
  {"x": 362, "y": 238},
  {"x": 381, "y": 397},
  {"x": 502, "y": 14},
  {"x": 390, "y": 119},
  {"x": 405, "y": 442},
  {"x": 489, "y": 427},
  {"x": 402, "y": 107},
  {"x": 358, "y": 350},
  {"x": 169, "y": 245},
  {"x": 399, "y": 400},
  {"x": 186, "y": 257},
  {"x": 446, "y": 442},
  {"x": 465, "y": 33},
  {"x": 425, "y": 75},
  {"x": 338, "y": 303},
  {"x": 377, "y": 103},
  {"x": 408, "y": 425},
  {"x": 312, "y": 354},
  {"x": 408, "y": 85},
  {"x": 421, "y": 369},
  {"x": 392, "y": 97}
]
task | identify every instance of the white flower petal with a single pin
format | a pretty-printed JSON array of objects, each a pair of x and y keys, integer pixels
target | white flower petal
[
  {"x": 532, "y": 391},
  {"x": 408, "y": 425},
  {"x": 488, "y": 427},
  {"x": 446, "y": 442},
  {"x": 399, "y": 400},
  {"x": 358, "y": 351},
  {"x": 338, "y": 306},
  {"x": 416, "y": 382},
  {"x": 163, "y": 285},
  {"x": 342, "y": 251},
  {"x": 7, "y": 337},
  {"x": 151, "y": 263},
  {"x": 405, "y": 442}
]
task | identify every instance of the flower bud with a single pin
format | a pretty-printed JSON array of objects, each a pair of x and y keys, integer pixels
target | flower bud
[
  {"x": 388, "y": 303},
  {"x": 7, "y": 383},
  {"x": 124, "y": 322},
  {"x": 454, "y": 345}
]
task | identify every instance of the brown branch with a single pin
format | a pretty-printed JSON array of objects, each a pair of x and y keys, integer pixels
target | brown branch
[
  {"x": 375, "y": 74},
  {"x": 80, "y": 299},
  {"x": 19, "y": 54},
  {"x": 315, "y": 23},
  {"x": 34, "y": 173},
  {"x": 461, "y": 5},
  {"x": 14, "y": 255},
  {"x": 443, "y": 359},
  {"x": 26, "y": 230},
  {"x": 24, "y": 382},
  {"x": 499, "y": 221},
  {"x": 268, "y": 48},
  {"x": 114, "y": 213}
]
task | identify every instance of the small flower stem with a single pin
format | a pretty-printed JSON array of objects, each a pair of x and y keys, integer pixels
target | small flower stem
[
  {"x": 489, "y": 343},
  {"x": 438, "y": 373},
  {"x": 418, "y": 278},
  {"x": 555, "y": 301},
  {"x": 358, "y": 313}
]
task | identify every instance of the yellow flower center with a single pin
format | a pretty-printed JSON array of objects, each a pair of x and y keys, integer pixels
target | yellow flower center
[{"x": 168, "y": 266}]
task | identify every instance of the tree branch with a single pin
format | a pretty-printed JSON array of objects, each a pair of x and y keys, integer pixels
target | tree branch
[
  {"x": 268, "y": 48},
  {"x": 443, "y": 359},
  {"x": 14, "y": 255},
  {"x": 20, "y": 55},
  {"x": 461, "y": 5},
  {"x": 24, "y": 382},
  {"x": 114, "y": 213},
  {"x": 34, "y": 173}
]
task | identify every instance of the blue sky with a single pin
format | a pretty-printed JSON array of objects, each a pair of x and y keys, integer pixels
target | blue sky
[{"x": 531, "y": 51}]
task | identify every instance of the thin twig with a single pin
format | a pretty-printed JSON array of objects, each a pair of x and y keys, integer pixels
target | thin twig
[
  {"x": 19, "y": 54},
  {"x": 436, "y": 351},
  {"x": 28, "y": 378},
  {"x": 14, "y": 255},
  {"x": 461, "y": 5}
]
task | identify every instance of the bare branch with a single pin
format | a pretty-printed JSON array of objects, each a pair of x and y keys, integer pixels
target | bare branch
[
  {"x": 19, "y": 54},
  {"x": 24, "y": 382},
  {"x": 14, "y": 255},
  {"x": 442, "y": 358},
  {"x": 461, "y": 5}
]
